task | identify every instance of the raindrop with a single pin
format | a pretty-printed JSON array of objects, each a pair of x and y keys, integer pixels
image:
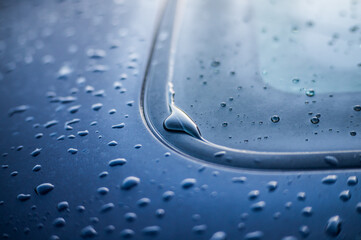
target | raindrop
[
  {"x": 199, "y": 229},
  {"x": 357, "y": 108},
  {"x": 83, "y": 133},
  {"x": 253, "y": 194},
  {"x": 36, "y": 152},
  {"x": 120, "y": 125},
  {"x": 330, "y": 179},
  {"x": 310, "y": 93},
  {"x": 62, "y": 206},
  {"x": 36, "y": 168},
  {"x": 301, "y": 196},
  {"x": 275, "y": 118},
  {"x": 73, "y": 150},
  {"x": 168, "y": 195},
  {"x": 219, "y": 236},
  {"x": 23, "y": 197},
  {"x": 258, "y": 206},
  {"x": 130, "y": 217},
  {"x": 44, "y": 188},
  {"x": 352, "y": 181},
  {"x": 307, "y": 211},
  {"x": 112, "y": 143},
  {"x": 103, "y": 190},
  {"x": 345, "y": 195},
  {"x": 59, "y": 222},
  {"x": 18, "y": 109},
  {"x": 97, "y": 106},
  {"x": 272, "y": 185},
  {"x": 188, "y": 183},
  {"x": 315, "y": 120},
  {"x": 333, "y": 226},
  {"x": 151, "y": 230},
  {"x": 160, "y": 213},
  {"x": 88, "y": 232},
  {"x": 107, "y": 207},
  {"x": 331, "y": 160},
  {"x": 117, "y": 162},
  {"x": 304, "y": 231},
  {"x": 130, "y": 182},
  {"x": 143, "y": 202},
  {"x": 127, "y": 233},
  {"x": 257, "y": 235}
]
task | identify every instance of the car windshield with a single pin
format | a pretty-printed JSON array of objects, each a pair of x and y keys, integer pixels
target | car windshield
[
  {"x": 267, "y": 77},
  {"x": 234, "y": 69}
]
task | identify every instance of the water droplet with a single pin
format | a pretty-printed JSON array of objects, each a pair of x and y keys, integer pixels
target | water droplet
[
  {"x": 358, "y": 207},
  {"x": 97, "y": 106},
  {"x": 44, "y": 188},
  {"x": 23, "y": 197},
  {"x": 304, "y": 231},
  {"x": 199, "y": 229},
  {"x": 127, "y": 233},
  {"x": 151, "y": 230},
  {"x": 168, "y": 195},
  {"x": 215, "y": 63},
  {"x": 59, "y": 222},
  {"x": 275, "y": 118},
  {"x": 107, "y": 207},
  {"x": 112, "y": 143},
  {"x": 258, "y": 206},
  {"x": 352, "y": 181},
  {"x": 103, "y": 190},
  {"x": 36, "y": 152},
  {"x": 74, "y": 109},
  {"x": 219, "y": 236},
  {"x": 219, "y": 154},
  {"x": 88, "y": 232},
  {"x": 333, "y": 226},
  {"x": 117, "y": 162},
  {"x": 130, "y": 182},
  {"x": 64, "y": 72},
  {"x": 295, "y": 80},
  {"x": 353, "y": 133},
  {"x": 36, "y": 168},
  {"x": 180, "y": 121},
  {"x": 357, "y": 108},
  {"x": 103, "y": 174},
  {"x": 18, "y": 109},
  {"x": 130, "y": 217},
  {"x": 272, "y": 185},
  {"x": 315, "y": 120},
  {"x": 301, "y": 196},
  {"x": 330, "y": 179},
  {"x": 307, "y": 211},
  {"x": 188, "y": 183},
  {"x": 62, "y": 206},
  {"x": 253, "y": 194},
  {"x": 310, "y": 93},
  {"x": 83, "y": 133},
  {"x": 289, "y": 238},
  {"x": 257, "y": 235},
  {"x": 143, "y": 202},
  {"x": 160, "y": 213},
  {"x": 331, "y": 160},
  {"x": 95, "y": 53},
  {"x": 345, "y": 195},
  {"x": 73, "y": 150},
  {"x": 120, "y": 125}
]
